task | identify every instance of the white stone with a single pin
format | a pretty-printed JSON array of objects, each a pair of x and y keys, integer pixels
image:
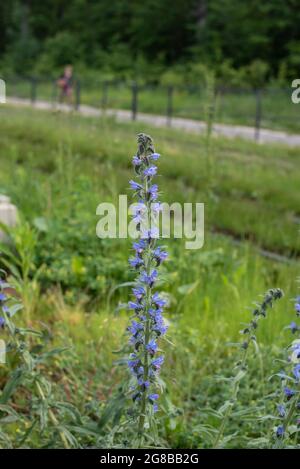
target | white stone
[{"x": 8, "y": 214}]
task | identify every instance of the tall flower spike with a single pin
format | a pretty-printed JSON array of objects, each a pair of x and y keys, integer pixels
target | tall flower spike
[
  {"x": 147, "y": 324},
  {"x": 288, "y": 407},
  {"x": 249, "y": 336}
]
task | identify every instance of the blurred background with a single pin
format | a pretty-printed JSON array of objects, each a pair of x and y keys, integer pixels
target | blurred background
[
  {"x": 168, "y": 49},
  {"x": 245, "y": 43}
]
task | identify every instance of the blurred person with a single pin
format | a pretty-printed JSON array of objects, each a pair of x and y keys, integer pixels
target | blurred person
[{"x": 65, "y": 83}]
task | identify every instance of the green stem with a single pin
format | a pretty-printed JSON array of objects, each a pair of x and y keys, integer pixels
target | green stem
[
  {"x": 280, "y": 443},
  {"x": 53, "y": 418},
  {"x": 147, "y": 333}
]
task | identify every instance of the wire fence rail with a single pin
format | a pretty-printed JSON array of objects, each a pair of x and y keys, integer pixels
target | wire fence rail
[{"x": 270, "y": 108}]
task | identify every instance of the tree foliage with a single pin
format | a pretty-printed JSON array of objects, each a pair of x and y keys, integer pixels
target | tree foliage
[{"x": 106, "y": 33}]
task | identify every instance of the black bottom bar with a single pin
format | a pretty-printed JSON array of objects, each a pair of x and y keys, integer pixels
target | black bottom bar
[{"x": 135, "y": 458}]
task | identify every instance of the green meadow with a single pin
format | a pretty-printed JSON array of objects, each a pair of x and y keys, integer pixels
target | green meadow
[
  {"x": 56, "y": 169},
  {"x": 232, "y": 106}
]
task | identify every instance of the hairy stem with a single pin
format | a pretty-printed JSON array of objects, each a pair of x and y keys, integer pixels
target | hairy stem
[
  {"x": 228, "y": 411},
  {"x": 147, "y": 332}
]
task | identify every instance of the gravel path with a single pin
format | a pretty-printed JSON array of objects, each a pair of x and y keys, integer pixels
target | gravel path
[{"x": 189, "y": 125}]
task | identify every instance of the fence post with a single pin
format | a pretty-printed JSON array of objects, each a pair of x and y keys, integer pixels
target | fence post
[
  {"x": 77, "y": 95},
  {"x": 134, "y": 104},
  {"x": 54, "y": 96},
  {"x": 104, "y": 96},
  {"x": 257, "y": 114},
  {"x": 170, "y": 105},
  {"x": 33, "y": 90},
  {"x": 220, "y": 92}
]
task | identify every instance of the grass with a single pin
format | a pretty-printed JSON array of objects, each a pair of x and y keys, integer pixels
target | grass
[
  {"x": 259, "y": 184},
  {"x": 57, "y": 168},
  {"x": 236, "y": 108}
]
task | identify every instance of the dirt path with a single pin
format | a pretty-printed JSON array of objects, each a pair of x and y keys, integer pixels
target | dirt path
[{"x": 189, "y": 125}]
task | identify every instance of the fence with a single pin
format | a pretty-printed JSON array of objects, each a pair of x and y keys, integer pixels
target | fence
[{"x": 269, "y": 108}]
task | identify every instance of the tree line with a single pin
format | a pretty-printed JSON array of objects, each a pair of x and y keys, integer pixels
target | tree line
[{"x": 153, "y": 37}]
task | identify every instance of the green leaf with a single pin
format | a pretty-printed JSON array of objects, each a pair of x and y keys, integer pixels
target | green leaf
[
  {"x": 71, "y": 439},
  {"x": 11, "y": 385},
  {"x": 14, "y": 309},
  {"x": 239, "y": 376},
  {"x": 12, "y": 415},
  {"x": 225, "y": 406},
  {"x": 5, "y": 439},
  {"x": 27, "y": 433}
]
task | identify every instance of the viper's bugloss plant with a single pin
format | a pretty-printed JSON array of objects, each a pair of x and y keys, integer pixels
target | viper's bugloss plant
[
  {"x": 44, "y": 408},
  {"x": 147, "y": 324},
  {"x": 249, "y": 337},
  {"x": 288, "y": 404}
]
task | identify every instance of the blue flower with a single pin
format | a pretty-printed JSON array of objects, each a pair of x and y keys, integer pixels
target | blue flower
[
  {"x": 293, "y": 326},
  {"x": 151, "y": 234},
  {"x": 135, "y": 306},
  {"x": 155, "y": 208},
  {"x": 289, "y": 393},
  {"x": 160, "y": 328},
  {"x": 153, "y": 398},
  {"x": 144, "y": 384},
  {"x": 152, "y": 312},
  {"x": 136, "y": 340},
  {"x": 296, "y": 372},
  {"x": 151, "y": 171},
  {"x": 280, "y": 431},
  {"x": 2, "y": 296},
  {"x": 135, "y": 185},
  {"x": 153, "y": 192},
  {"x": 133, "y": 364},
  {"x": 136, "y": 262},
  {"x": 296, "y": 349},
  {"x": 281, "y": 410},
  {"x": 138, "y": 211},
  {"x": 158, "y": 301},
  {"x": 149, "y": 279},
  {"x": 139, "y": 246},
  {"x": 155, "y": 156},
  {"x": 157, "y": 362},
  {"x": 136, "y": 161},
  {"x": 139, "y": 292},
  {"x": 160, "y": 255},
  {"x": 297, "y": 305},
  {"x": 2, "y": 322},
  {"x": 151, "y": 347}
]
